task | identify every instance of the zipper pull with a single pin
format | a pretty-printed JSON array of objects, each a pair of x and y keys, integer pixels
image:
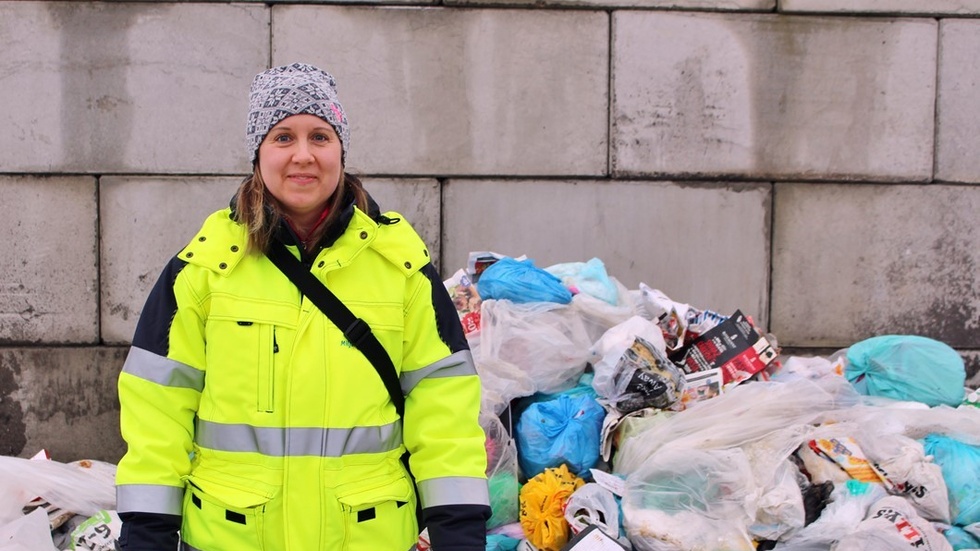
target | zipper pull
[{"x": 275, "y": 345}]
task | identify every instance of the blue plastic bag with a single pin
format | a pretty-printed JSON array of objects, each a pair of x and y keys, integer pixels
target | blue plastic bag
[
  {"x": 500, "y": 542},
  {"x": 588, "y": 277},
  {"x": 907, "y": 367},
  {"x": 520, "y": 281},
  {"x": 960, "y": 539},
  {"x": 564, "y": 430},
  {"x": 960, "y": 464}
]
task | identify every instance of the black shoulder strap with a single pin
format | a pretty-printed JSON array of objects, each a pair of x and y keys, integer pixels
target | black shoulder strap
[{"x": 357, "y": 331}]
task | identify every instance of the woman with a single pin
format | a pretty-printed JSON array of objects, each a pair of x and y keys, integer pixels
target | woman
[{"x": 252, "y": 422}]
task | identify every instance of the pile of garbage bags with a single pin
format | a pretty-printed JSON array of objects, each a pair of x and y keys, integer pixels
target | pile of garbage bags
[
  {"x": 47, "y": 505},
  {"x": 622, "y": 419},
  {"x": 644, "y": 423}
]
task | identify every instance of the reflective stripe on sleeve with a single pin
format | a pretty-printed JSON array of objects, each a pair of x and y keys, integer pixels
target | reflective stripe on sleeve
[
  {"x": 454, "y": 365},
  {"x": 282, "y": 442},
  {"x": 149, "y": 498},
  {"x": 454, "y": 490},
  {"x": 161, "y": 370}
]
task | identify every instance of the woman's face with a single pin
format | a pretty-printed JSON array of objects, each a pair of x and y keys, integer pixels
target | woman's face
[{"x": 300, "y": 163}]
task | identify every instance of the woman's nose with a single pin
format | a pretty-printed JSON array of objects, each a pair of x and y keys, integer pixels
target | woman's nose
[{"x": 302, "y": 154}]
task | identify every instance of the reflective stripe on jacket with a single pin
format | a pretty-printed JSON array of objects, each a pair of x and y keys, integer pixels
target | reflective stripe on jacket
[{"x": 240, "y": 391}]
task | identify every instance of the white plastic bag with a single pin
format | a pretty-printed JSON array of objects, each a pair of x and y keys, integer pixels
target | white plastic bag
[
  {"x": 628, "y": 351},
  {"x": 545, "y": 340},
  {"x": 808, "y": 367},
  {"x": 27, "y": 533},
  {"x": 83, "y": 487},
  {"x": 848, "y": 506},
  {"x": 907, "y": 471},
  {"x": 594, "y": 505},
  {"x": 899, "y": 461},
  {"x": 780, "y": 511},
  {"x": 892, "y": 524}
]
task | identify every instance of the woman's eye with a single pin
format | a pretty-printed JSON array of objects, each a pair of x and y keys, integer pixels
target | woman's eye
[
  {"x": 281, "y": 138},
  {"x": 321, "y": 138}
]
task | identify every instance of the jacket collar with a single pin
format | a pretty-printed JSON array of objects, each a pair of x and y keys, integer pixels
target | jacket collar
[{"x": 287, "y": 236}]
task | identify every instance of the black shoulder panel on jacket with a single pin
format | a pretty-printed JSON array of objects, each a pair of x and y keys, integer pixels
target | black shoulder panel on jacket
[
  {"x": 450, "y": 330},
  {"x": 153, "y": 328}
]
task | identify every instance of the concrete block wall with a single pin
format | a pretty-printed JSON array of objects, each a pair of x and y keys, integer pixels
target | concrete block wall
[{"x": 813, "y": 163}]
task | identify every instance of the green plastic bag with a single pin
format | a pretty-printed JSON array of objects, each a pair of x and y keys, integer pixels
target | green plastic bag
[{"x": 907, "y": 367}]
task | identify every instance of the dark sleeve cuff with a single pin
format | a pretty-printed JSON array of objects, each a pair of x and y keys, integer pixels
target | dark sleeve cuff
[
  {"x": 148, "y": 532},
  {"x": 457, "y": 527}
]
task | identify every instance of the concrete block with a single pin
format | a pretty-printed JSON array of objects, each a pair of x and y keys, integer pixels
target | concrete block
[
  {"x": 49, "y": 287},
  {"x": 773, "y": 96},
  {"x": 418, "y": 200},
  {"x": 918, "y": 7},
  {"x": 166, "y": 212},
  {"x": 145, "y": 222},
  {"x": 447, "y": 91},
  {"x": 703, "y": 244},
  {"x": 63, "y": 400},
  {"x": 713, "y": 5},
  {"x": 855, "y": 261},
  {"x": 958, "y": 144},
  {"x": 99, "y": 87}
]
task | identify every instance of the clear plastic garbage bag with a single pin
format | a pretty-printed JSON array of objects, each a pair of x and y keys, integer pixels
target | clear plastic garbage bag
[
  {"x": 743, "y": 414},
  {"x": 544, "y": 340},
  {"x": 501, "y": 471},
  {"x": 691, "y": 500}
]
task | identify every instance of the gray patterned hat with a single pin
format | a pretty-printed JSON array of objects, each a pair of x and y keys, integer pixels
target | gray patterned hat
[{"x": 289, "y": 90}]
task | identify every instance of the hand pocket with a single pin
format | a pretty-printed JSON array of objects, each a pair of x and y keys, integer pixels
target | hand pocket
[
  {"x": 380, "y": 518},
  {"x": 219, "y": 515}
]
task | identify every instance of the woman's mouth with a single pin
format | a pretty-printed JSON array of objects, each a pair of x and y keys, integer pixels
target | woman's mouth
[{"x": 302, "y": 178}]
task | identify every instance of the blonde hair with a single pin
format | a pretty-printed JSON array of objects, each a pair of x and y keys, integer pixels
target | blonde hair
[{"x": 261, "y": 214}]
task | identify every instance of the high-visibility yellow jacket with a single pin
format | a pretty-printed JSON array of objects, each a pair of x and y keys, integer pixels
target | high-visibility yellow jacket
[{"x": 247, "y": 412}]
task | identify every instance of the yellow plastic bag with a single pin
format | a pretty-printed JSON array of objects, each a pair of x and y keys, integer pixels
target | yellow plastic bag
[{"x": 543, "y": 501}]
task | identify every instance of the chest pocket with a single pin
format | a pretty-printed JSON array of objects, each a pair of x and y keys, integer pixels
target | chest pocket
[{"x": 246, "y": 344}]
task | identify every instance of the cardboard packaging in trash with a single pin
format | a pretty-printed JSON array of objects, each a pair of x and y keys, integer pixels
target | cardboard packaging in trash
[
  {"x": 467, "y": 301},
  {"x": 733, "y": 346},
  {"x": 593, "y": 539}
]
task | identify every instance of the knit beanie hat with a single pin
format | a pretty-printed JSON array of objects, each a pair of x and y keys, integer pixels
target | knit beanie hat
[{"x": 289, "y": 90}]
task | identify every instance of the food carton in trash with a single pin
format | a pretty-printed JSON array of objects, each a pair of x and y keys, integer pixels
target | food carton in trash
[
  {"x": 467, "y": 301},
  {"x": 701, "y": 385},
  {"x": 478, "y": 261},
  {"x": 846, "y": 453},
  {"x": 734, "y": 346}
]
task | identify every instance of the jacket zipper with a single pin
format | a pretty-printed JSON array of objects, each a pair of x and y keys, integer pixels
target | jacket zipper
[{"x": 267, "y": 376}]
